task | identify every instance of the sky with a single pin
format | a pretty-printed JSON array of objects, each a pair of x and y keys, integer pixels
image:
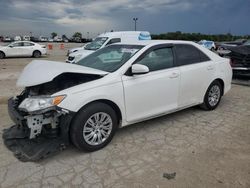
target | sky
[{"x": 91, "y": 17}]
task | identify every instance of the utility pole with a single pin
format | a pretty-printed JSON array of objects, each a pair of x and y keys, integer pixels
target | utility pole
[{"x": 135, "y": 20}]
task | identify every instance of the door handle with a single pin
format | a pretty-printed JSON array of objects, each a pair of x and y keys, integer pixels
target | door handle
[
  {"x": 174, "y": 75},
  {"x": 210, "y": 67}
]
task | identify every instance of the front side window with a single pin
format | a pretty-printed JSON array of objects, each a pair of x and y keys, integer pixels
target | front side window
[
  {"x": 96, "y": 44},
  {"x": 188, "y": 54},
  {"x": 16, "y": 44},
  {"x": 158, "y": 59},
  {"x": 110, "y": 58}
]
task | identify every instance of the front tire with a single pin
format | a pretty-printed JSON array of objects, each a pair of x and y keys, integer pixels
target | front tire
[
  {"x": 93, "y": 127},
  {"x": 213, "y": 96}
]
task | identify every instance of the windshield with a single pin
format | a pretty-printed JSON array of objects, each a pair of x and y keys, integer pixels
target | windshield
[
  {"x": 96, "y": 44},
  {"x": 110, "y": 58}
]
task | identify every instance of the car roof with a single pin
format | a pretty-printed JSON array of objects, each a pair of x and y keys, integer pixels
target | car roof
[
  {"x": 149, "y": 43},
  {"x": 119, "y": 33},
  {"x": 155, "y": 42}
]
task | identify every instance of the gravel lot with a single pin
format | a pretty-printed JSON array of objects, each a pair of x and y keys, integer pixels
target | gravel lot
[{"x": 204, "y": 149}]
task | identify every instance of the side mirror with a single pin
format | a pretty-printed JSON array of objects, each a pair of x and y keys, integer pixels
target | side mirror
[
  {"x": 139, "y": 69},
  {"x": 10, "y": 46}
]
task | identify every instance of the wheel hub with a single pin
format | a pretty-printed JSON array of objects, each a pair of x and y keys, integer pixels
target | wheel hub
[
  {"x": 97, "y": 128},
  {"x": 214, "y": 95}
]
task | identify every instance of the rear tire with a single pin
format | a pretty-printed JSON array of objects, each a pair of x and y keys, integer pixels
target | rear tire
[
  {"x": 213, "y": 96},
  {"x": 37, "y": 54},
  {"x": 93, "y": 127},
  {"x": 2, "y": 55}
]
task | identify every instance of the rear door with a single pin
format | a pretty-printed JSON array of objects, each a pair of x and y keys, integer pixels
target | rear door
[
  {"x": 28, "y": 48},
  {"x": 156, "y": 92},
  {"x": 196, "y": 71}
]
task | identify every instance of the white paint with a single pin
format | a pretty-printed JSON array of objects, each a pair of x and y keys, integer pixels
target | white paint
[
  {"x": 138, "y": 97},
  {"x": 22, "y": 51}
]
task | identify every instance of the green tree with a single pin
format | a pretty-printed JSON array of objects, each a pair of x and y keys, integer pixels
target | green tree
[
  {"x": 77, "y": 35},
  {"x": 178, "y": 35},
  {"x": 53, "y": 35}
]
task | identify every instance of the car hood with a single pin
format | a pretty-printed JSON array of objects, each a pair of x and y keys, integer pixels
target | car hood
[
  {"x": 81, "y": 52},
  {"x": 42, "y": 71},
  {"x": 74, "y": 49}
]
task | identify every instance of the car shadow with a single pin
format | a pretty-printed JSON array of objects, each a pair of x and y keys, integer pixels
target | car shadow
[{"x": 148, "y": 126}]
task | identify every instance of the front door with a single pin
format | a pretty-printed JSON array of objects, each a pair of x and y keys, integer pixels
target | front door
[
  {"x": 156, "y": 92},
  {"x": 15, "y": 49}
]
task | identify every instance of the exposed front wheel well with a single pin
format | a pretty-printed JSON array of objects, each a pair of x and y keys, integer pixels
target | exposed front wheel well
[{"x": 112, "y": 105}]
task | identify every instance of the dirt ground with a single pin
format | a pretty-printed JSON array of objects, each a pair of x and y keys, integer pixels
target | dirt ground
[{"x": 204, "y": 149}]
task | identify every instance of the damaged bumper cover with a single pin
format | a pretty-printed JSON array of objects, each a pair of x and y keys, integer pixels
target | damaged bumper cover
[{"x": 36, "y": 136}]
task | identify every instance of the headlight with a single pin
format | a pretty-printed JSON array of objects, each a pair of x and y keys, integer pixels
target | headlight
[{"x": 34, "y": 103}]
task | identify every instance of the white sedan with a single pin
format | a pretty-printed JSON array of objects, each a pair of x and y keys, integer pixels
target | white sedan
[
  {"x": 114, "y": 87},
  {"x": 22, "y": 49}
]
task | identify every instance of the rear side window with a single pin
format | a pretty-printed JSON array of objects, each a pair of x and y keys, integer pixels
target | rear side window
[
  {"x": 204, "y": 57},
  {"x": 114, "y": 40},
  {"x": 158, "y": 59},
  {"x": 188, "y": 54},
  {"x": 28, "y": 44}
]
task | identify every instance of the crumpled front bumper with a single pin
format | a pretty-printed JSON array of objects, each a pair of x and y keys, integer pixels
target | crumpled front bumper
[
  {"x": 17, "y": 138},
  {"x": 15, "y": 115}
]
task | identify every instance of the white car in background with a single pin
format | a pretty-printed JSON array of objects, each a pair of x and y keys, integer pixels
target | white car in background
[
  {"x": 208, "y": 44},
  {"x": 17, "y": 38},
  {"x": 57, "y": 39},
  {"x": 26, "y": 38},
  {"x": 22, "y": 49},
  {"x": 115, "y": 86},
  {"x": 7, "y": 39},
  {"x": 43, "y": 39}
]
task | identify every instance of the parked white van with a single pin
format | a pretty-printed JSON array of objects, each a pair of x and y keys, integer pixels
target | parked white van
[
  {"x": 26, "y": 38},
  {"x": 43, "y": 39},
  {"x": 76, "y": 54},
  {"x": 17, "y": 38}
]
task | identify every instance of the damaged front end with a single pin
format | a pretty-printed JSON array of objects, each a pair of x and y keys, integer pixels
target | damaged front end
[
  {"x": 36, "y": 134},
  {"x": 41, "y": 127}
]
